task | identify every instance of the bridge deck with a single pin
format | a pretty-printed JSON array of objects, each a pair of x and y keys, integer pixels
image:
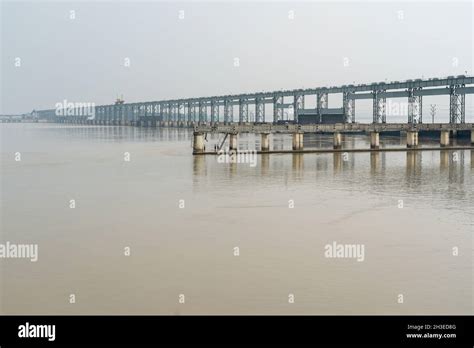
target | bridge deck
[{"x": 328, "y": 128}]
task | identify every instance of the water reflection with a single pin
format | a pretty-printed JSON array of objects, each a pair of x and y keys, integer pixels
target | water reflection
[
  {"x": 264, "y": 164},
  {"x": 337, "y": 162},
  {"x": 395, "y": 172},
  {"x": 444, "y": 159},
  {"x": 297, "y": 162},
  {"x": 374, "y": 162},
  {"x": 199, "y": 165},
  {"x": 413, "y": 163}
]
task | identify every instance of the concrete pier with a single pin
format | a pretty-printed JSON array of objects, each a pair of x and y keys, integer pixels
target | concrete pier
[
  {"x": 412, "y": 139},
  {"x": 265, "y": 141},
  {"x": 444, "y": 139},
  {"x": 232, "y": 141},
  {"x": 198, "y": 143},
  {"x": 472, "y": 136},
  {"x": 374, "y": 140},
  {"x": 298, "y": 141},
  {"x": 337, "y": 140}
]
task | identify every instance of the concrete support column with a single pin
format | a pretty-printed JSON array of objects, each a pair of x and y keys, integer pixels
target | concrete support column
[
  {"x": 374, "y": 140},
  {"x": 198, "y": 143},
  {"x": 232, "y": 141},
  {"x": 337, "y": 140},
  {"x": 265, "y": 141},
  {"x": 472, "y": 137},
  {"x": 444, "y": 140},
  {"x": 412, "y": 139}
]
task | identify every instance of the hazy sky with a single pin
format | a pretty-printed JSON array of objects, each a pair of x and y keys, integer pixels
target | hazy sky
[{"x": 83, "y": 59}]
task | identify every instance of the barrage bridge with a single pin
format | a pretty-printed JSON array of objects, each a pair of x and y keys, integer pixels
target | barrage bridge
[{"x": 229, "y": 114}]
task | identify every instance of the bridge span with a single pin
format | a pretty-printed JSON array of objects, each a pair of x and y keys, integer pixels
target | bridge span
[
  {"x": 188, "y": 112},
  {"x": 231, "y": 131},
  {"x": 229, "y": 114}
]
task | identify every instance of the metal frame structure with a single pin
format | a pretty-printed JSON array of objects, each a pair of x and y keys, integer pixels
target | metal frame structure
[
  {"x": 457, "y": 105},
  {"x": 413, "y": 90}
]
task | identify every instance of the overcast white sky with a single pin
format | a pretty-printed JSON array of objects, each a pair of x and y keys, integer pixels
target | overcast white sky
[{"x": 82, "y": 59}]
